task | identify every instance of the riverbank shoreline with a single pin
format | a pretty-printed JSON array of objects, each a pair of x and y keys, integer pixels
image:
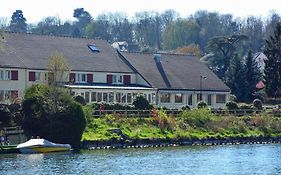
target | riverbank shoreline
[{"x": 142, "y": 143}]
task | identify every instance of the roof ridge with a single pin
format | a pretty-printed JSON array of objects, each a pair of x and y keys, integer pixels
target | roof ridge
[
  {"x": 151, "y": 53},
  {"x": 58, "y": 36}
]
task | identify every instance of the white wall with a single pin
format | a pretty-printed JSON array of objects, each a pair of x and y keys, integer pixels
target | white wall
[{"x": 17, "y": 85}]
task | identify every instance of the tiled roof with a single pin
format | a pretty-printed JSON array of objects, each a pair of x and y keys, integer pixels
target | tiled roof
[
  {"x": 33, "y": 51},
  {"x": 182, "y": 71}
]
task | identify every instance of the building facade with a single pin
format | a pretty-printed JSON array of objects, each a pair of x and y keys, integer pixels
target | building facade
[{"x": 100, "y": 73}]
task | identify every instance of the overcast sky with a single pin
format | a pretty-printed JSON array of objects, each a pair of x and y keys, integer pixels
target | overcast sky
[{"x": 35, "y": 10}]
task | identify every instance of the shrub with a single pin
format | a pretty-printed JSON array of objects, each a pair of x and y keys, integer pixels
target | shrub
[
  {"x": 80, "y": 99},
  {"x": 141, "y": 103},
  {"x": 257, "y": 104},
  {"x": 245, "y": 106},
  {"x": 232, "y": 105},
  {"x": 184, "y": 108},
  {"x": 16, "y": 114},
  {"x": 201, "y": 104},
  {"x": 198, "y": 117},
  {"x": 162, "y": 120},
  {"x": 5, "y": 115},
  {"x": 52, "y": 114}
]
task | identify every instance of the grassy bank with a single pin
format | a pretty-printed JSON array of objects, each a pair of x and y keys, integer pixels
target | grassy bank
[{"x": 193, "y": 124}]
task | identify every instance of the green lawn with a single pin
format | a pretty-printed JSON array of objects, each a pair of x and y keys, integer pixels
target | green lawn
[{"x": 199, "y": 123}]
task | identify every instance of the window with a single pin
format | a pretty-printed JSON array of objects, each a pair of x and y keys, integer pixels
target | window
[
  {"x": 145, "y": 96},
  {"x": 104, "y": 97},
  {"x": 37, "y": 76},
  {"x": 81, "y": 78},
  {"x": 190, "y": 100},
  {"x": 129, "y": 98},
  {"x": 134, "y": 96},
  {"x": 178, "y": 98},
  {"x": 111, "y": 97},
  {"x": 7, "y": 95},
  {"x": 94, "y": 48},
  {"x": 40, "y": 76},
  {"x": 118, "y": 97},
  {"x": 209, "y": 101},
  {"x": 165, "y": 98},
  {"x": 149, "y": 98},
  {"x": 94, "y": 97},
  {"x": 153, "y": 98},
  {"x": 220, "y": 98},
  {"x": 87, "y": 97},
  {"x": 117, "y": 79},
  {"x": 99, "y": 96},
  {"x": 199, "y": 97},
  {"x": 1, "y": 95},
  {"x": 5, "y": 75},
  {"x": 123, "y": 97}
]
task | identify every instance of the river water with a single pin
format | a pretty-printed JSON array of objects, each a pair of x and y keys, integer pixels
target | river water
[{"x": 223, "y": 159}]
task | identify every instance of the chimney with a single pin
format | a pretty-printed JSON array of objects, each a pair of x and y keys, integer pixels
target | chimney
[{"x": 157, "y": 58}]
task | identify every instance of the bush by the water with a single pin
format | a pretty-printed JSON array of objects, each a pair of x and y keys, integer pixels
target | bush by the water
[
  {"x": 5, "y": 115},
  {"x": 51, "y": 113}
]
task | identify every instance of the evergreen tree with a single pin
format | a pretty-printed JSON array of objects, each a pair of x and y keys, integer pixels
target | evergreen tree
[
  {"x": 273, "y": 64},
  {"x": 253, "y": 75},
  {"x": 18, "y": 22},
  {"x": 223, "y": 48},
  {"x": 84, "y": 18},
  {"x": 63, "y": 124},
  {"x": 236, "y": 78}
]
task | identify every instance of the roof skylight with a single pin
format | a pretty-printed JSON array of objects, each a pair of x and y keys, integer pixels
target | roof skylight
[{"x": 94, "y": 48}]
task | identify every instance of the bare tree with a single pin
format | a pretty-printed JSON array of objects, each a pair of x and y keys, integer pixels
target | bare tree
[{"x": 58, "y": 69}]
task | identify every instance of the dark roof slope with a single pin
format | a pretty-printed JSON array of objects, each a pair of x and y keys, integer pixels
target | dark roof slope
[
  {"x": 33, "y": 51},
  {"x": 182, "y": 71}
]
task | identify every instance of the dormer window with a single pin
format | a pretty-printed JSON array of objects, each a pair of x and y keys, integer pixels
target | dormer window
[
  {"x": 117, "y": 79},
  {"x": 94, "y": 48}
]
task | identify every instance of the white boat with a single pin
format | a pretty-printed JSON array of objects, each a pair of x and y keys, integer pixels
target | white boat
[{"x": 42, "y": 146}]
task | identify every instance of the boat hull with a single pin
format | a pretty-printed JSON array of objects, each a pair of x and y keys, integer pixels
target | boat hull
[{"x": 42, "y": 149}]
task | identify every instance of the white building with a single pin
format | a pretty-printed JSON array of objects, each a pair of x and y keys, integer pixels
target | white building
[{"x": 100, "y": 73}]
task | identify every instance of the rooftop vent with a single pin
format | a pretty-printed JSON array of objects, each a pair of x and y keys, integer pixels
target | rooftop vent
[{"x": 94, "y": 48}]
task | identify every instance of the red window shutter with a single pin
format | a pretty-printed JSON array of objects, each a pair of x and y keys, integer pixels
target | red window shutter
[
  {"x": 127, "y": 79},
  {"x": 72, "y": 77},
  {"x": 31, "y": 76},
  {"x": 109, "y": 79},
  {"x": 14, "y": 75},
  {"x": 90, "y": 78}
]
